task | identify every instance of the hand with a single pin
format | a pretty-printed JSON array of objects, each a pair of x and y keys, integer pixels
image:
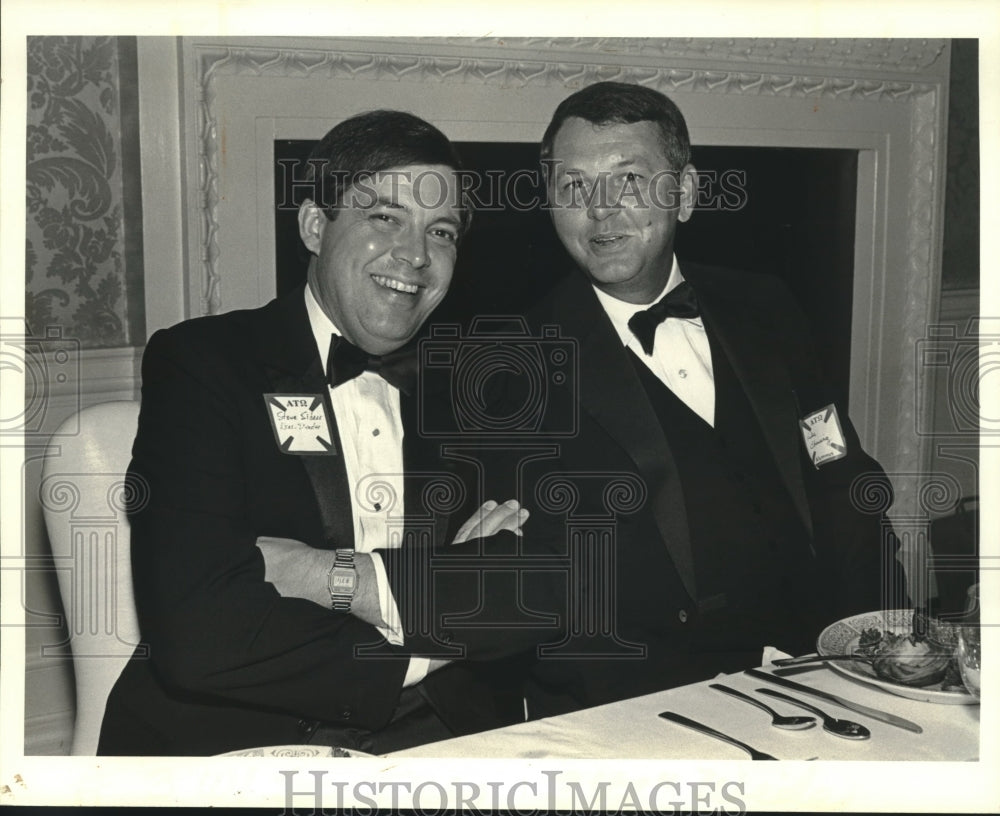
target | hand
[{"x": 491, "y": 518}]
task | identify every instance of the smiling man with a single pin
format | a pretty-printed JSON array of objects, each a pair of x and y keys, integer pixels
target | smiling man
[
  {"x": 702, "y": 384},
  {"x": 289, "y": 423},
  {"x": 616, "y": 202},
  {"x": 699, "y": 395},
  {"x": 383, "y": 256}
]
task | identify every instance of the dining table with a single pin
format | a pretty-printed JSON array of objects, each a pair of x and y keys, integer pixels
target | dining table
[{"x": 634, "y": 729}]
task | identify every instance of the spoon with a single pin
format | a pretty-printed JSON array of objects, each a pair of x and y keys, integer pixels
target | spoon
[
  {"x": 777, "y": 720},
  {"x": 841, "y": 728}
]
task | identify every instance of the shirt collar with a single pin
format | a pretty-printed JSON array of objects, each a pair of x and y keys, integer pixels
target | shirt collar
[
  {"x": 621, "y": 311},
  {"x": 321, "y": 325}
]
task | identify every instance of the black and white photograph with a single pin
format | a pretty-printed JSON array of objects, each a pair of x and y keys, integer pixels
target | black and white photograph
[{"x": 440, "y": 409}]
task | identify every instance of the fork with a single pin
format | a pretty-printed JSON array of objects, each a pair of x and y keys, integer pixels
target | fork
[{"x": 711, "y": 732}]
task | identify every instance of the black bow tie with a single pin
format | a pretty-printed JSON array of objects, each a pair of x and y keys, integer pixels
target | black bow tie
[
  {"x": 680, "y": 301},
  {"x": 346, "y": 361}
]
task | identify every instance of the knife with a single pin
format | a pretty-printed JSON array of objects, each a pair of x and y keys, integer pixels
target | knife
[
  {"x": 701, "y": 728},
  {"x": 874, "y": 713}
]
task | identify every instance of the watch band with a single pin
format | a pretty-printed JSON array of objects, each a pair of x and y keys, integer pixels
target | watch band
[{"x": 342, "y": 580}]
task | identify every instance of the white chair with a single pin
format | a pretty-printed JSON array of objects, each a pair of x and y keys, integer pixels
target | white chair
[{"x": 83, "y": 497}]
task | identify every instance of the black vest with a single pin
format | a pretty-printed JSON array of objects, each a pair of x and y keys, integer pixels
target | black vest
[{"x": 754, "y": 566}]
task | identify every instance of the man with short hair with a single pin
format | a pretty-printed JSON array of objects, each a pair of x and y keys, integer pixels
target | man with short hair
[
  {"x": 703, "y": 385},
  {"x": 293, "y": 421},
  {"x": 701, "y": 506}
]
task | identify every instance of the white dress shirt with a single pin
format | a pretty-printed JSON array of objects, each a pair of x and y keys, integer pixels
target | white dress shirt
[
  {"x": 681, "y": 358},
  {"x": 370, "y": 430}
]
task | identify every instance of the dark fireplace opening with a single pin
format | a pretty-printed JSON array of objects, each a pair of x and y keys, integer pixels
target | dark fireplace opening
[{"x": 788, "y": 212}]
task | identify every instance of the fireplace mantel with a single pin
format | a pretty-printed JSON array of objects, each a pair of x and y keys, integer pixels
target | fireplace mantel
[{"x": 885, "y": 98}]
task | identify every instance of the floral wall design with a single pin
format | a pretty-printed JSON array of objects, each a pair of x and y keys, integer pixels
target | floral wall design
[{"x": 76, "y": 254}]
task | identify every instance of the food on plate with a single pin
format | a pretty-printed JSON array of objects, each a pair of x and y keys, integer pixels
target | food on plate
[
  {"x": 914, "y": 659},
  {"x": 952, "y": 680},
  {"x": 909, "y": 660}
]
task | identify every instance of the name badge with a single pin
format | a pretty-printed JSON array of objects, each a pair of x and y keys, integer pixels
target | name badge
[
  {"x": 300, "y": 423},
  {"x": 823, "y": 436}
]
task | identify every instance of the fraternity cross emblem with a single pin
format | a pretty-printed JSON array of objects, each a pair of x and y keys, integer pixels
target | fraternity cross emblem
[
  {"x": 823, "y": 436},
  {"x": 300, "y": 424}
]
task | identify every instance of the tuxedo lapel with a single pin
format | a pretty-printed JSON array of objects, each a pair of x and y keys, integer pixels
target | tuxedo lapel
[
  {"x": 415, "y": 454},
  {"x": 291, "y": 363},
  {"x": 767, "y": 386},
  {"x": 612, "y": 394}
]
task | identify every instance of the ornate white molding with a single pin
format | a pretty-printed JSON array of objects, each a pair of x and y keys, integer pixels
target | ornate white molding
[
  {"x": 913, "y": 454},
  {"x": 851, "y": 53},
  {"x": 215, "y": 60}
]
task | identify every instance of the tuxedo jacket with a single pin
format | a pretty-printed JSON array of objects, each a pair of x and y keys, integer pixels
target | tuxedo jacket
[
  {"x": 231, "y": 663},
  {"x": 664, "y": 630}
]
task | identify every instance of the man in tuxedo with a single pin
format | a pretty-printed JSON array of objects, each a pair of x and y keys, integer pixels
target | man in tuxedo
[
  {"x": 293, "y": 422},
  {"x": 698, "y": 387},
  {"x": 708, "y": 496}
]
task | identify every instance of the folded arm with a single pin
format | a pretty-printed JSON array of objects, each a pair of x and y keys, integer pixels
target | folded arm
[
  {"x": 297, "y": 570},
  {"x": 214, "y": 624}
]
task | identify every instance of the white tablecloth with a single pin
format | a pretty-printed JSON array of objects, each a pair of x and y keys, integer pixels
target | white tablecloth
[{"x": 632, "y": 729}]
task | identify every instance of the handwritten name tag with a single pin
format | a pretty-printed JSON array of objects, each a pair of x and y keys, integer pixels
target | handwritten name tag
[
  {"x": 823, "y": 436},
  {"x": 300, "y": 423}
]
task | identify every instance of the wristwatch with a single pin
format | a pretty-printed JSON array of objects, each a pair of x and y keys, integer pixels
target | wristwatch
[{"x": 342, "y": 580}]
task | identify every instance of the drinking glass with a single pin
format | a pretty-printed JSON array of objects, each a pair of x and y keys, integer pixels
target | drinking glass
[{"x": 969, "y": 652}]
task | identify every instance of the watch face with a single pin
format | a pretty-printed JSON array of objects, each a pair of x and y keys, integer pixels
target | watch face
[{"x": 342, "y": 581}]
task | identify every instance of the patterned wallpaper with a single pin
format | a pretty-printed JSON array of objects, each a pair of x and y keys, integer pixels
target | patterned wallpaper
[{"x": 77, "y": 194}]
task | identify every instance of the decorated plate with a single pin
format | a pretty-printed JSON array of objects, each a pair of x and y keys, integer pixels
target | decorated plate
[
  {"x": 297, "y": 751},
  {"x": 842, "y": 638}
]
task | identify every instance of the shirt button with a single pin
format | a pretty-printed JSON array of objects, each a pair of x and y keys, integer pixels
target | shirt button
[
  {"x": 303, "y": 725},
  {"x": 376, "y": 432},
  {"x": 682, "y": 373},
  {"x": 682, "y": 616}
]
